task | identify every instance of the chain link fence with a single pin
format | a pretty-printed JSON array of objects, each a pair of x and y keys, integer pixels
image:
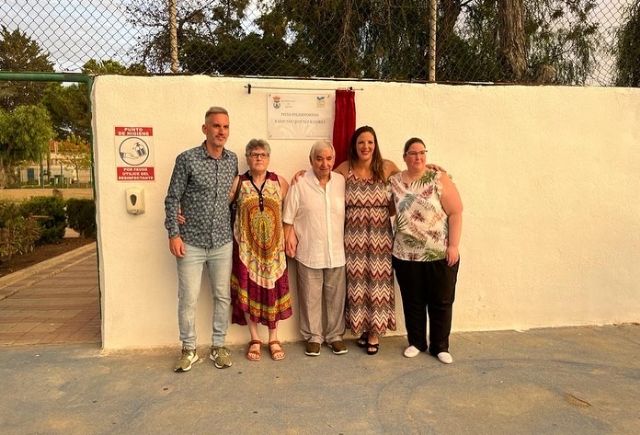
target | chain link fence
[{"x": 568, "y": 42}]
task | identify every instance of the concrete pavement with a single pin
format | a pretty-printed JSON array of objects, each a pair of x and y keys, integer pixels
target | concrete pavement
[{"x": 562, "y": 381}]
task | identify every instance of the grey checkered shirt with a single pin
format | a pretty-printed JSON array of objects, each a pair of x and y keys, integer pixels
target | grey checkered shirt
[{"x": 200, "y": 187}]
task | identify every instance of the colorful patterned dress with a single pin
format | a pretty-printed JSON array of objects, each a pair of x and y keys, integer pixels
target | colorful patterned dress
[
  {"x": 368, "y": 242},
  {"x": 259, "y": 281}
]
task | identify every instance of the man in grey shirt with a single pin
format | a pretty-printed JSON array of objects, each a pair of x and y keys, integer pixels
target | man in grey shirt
[{"x": 199, "y": 190}]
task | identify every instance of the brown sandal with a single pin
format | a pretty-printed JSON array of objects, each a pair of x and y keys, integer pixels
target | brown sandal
[
  {"x": 277, "y": 353},
  {"x": 254, "y": 355}
]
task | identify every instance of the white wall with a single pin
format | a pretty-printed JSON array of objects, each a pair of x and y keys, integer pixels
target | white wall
[{"x": 548, "y": 175}]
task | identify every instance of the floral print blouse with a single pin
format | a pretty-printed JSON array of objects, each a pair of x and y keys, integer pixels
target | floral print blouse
[{"x": 421, "y": 230}]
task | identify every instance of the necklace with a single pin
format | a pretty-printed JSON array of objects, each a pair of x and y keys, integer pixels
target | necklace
[{"x": 259, "y": 190}]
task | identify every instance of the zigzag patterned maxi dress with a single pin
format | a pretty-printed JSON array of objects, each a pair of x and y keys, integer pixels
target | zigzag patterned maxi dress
[
  {"x": 368, "y": 243},
  {"x": 259, "y": 280}
]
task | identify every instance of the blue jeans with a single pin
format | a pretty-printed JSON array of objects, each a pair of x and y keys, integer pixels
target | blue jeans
[{"x": 218, "y": 263}]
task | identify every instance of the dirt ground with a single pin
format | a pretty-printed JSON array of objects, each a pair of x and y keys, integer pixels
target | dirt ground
[
  {"x": 40, "y": 253},
  {"x": 23, "y": 194}
]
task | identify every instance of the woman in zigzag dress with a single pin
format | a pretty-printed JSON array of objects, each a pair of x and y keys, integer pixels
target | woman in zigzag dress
[{"x": 368, "y": 240}]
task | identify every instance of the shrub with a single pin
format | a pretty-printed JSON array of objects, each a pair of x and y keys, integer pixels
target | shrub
[
  {"x": 81, "y": 214},
  {"x": 9, "y": 210},
  {"x": 50, "y": 215},
  {"x": 18, "y": 236},
  {"x": 17, "y": 233}
]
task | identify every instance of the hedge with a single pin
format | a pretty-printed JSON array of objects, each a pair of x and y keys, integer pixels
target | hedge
[
  {"x": 81, "y": 215},
  {"x": 49, "y": 211}
]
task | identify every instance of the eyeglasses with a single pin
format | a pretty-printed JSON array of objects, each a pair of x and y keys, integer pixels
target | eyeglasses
[
  {"x": 258, "y": 155},
  {"x": 417, "y": 153}
]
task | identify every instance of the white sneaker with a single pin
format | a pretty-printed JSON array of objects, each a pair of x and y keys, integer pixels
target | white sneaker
[
  {"x": 445, "y": 357},
  {"x": 411, "y": 352}
]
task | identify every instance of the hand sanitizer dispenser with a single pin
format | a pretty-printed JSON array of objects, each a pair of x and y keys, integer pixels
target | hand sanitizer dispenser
[{"x": 135, "y": 200}]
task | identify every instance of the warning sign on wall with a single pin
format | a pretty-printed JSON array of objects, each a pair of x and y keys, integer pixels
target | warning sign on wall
[{"x": 134, "y": 153}]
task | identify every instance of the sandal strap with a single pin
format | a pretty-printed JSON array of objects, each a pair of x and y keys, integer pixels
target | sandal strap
[
  {"x": 372, "y": 349},
  {"x": 254, "y": 354},
  {"x": 277, "y": 354}
]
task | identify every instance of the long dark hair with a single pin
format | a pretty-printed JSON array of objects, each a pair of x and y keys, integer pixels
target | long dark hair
[{"x": 376, "y": 161}]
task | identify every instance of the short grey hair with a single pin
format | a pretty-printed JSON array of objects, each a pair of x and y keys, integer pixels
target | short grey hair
[
  {"x": 319, "y": 146},
  {"x": 257, "y": 143},
  {"x": 214, "y": 110}
]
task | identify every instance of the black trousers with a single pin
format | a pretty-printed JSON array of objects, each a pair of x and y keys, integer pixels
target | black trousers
[{"x": 427, "y": 286}]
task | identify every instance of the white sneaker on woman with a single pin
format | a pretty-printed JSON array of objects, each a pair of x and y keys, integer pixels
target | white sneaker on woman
[
  {"x": 411, "y": 351},
  {"x": 445, "y": 357}
]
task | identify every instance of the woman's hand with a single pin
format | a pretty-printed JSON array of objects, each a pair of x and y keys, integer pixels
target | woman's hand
[
  {"x": 297, "y": 176},
  {"x": 434, "y": 167},
  {"x": 452, "y": 255}
]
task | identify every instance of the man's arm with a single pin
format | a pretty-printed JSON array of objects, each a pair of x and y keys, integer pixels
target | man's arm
[
  {"x": 290, "y": 241},
  {"x": 177, "y": 187},
  {"x": 288, "y": 217}
]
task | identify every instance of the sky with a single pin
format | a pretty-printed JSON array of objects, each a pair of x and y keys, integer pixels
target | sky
[{"x": 74, "y": 31}]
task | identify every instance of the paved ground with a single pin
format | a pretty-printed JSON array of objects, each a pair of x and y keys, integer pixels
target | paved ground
[
  {"x": 561, "y": 381},
  {"x": 56, "y": 301}
]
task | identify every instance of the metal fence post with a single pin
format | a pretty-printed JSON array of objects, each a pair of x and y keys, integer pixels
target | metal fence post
[
  {"x": 173, "y": 36},
  {"x": 433, "y": 17}
]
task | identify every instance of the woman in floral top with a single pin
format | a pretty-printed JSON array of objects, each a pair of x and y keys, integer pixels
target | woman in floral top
[{"x": 425, "y": 250}]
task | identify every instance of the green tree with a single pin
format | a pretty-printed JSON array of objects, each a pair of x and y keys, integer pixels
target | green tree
[
  {"x": 24, "y": 137},
  {"x": 70, "y": 109},
  {"x": 217, "y": 21},
  {"x": 74, "y": 152},
  {"x": 110, "y": 66},
  {"x": 562, "y": 37},
  {"x": 69, "y": 104},
  {"x": 627, "y": 50},
  {"x": 4, "y": 145},
  {"x": 375, "y": 39},
  {"x": 18, "y": 53},
  {"x": 478, "y": 40}
]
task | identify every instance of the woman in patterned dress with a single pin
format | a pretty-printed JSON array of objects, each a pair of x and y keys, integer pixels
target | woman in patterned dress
[
  {"x": 370, "y": 308},
  {"x": 425, "y": 250},
  {"x": 259, "y": 281}
]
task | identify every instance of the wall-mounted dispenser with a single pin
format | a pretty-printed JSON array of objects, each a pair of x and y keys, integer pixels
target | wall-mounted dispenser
[{"x": 135, "y": 200}]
